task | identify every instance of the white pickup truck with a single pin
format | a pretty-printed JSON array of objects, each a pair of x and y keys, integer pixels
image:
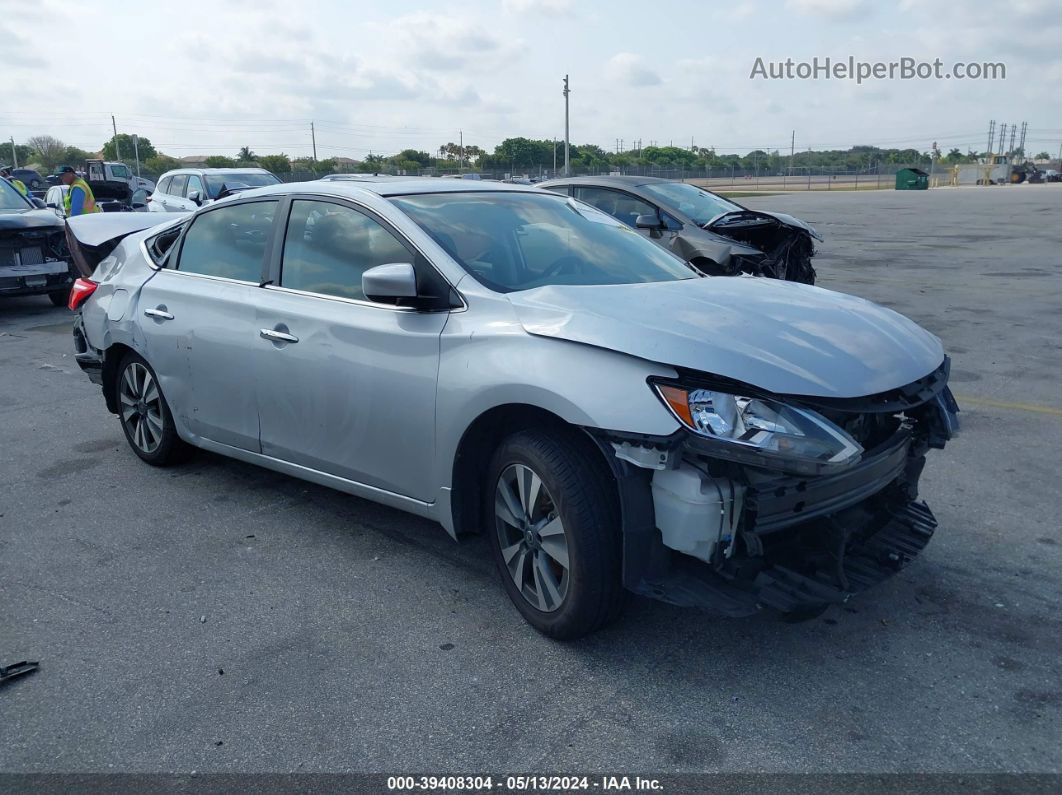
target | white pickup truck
[{"x": 103, "y": 171}]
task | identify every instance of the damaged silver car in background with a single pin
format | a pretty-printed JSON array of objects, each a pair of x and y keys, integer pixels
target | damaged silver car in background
[
  {"x": 513, "y": 362},
  {"x": 715, "y": 234}
]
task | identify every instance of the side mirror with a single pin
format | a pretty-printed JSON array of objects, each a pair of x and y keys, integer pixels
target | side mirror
[
  {"x": 389, "y": 282},
  {"x": 648, "y": 222},
  {"x": 195, "y": 197},
  {"x": 40, "y": 205}
]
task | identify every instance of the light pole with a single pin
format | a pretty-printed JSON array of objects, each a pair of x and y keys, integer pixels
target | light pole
[{"x": 567, "y": 143}]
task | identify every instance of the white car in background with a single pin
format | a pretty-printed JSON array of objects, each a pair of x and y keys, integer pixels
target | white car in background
[{"x": 188, "y": 189}]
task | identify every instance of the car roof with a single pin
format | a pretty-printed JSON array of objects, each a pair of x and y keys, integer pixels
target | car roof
[
  {"x": 398, "y": 187},
  {"x": 616, "y": 182},
  {"x": 233, "y": 170}
]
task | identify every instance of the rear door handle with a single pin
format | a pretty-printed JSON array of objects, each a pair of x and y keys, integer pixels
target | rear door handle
[
  {"x": 159, "y": 314},
  {"x": 277, "y": 336}
]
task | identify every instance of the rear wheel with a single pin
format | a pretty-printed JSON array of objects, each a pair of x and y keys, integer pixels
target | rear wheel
[
  {"x": 554, "y": 530},
  {"x": 59, "y": 297},
  {"x": 145, "y": 415}
]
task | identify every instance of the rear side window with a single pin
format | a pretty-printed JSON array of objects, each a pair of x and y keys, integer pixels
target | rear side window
[
  {"x": 164, "y": 185},
  {"x": 229, "y": 242},
  {"x": 177, "y": 185},
  {"x": 329, "y": 246}
]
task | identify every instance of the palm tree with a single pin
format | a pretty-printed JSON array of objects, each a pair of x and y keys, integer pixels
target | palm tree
[{"x": 245, "y": 155}]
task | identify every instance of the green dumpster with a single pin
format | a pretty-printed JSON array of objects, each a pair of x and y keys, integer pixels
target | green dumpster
[{"x": 912, "y": 179}]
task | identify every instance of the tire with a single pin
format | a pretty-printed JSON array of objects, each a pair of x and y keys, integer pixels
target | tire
[
  {"x": 59, "y": 297},
  {"x": 574, "y": 518},
  {"x": 145, "y": 414}
]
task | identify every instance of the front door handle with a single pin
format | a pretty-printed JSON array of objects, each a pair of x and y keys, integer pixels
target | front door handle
[
  {"x": 158, "y": 314},
  {"x": 277, "y": 336}
]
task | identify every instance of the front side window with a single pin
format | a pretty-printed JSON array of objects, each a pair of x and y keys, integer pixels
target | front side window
[
  {"x": 699, "y": 205},
  {"x": 327, "y": 247},
  {"x": 229, "y": 242},
  {"x": 122, "y": 172},
  {"x": 518, "y": 241},
  {"x": 195, "y": 184},
  {"x": 619, "y": 205}
]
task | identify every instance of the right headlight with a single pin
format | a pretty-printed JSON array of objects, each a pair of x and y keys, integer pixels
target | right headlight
[{"x": 761, "y": 432}]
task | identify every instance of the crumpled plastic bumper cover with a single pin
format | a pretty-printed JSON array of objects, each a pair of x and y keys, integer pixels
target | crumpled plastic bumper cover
[{"x": 892, "y": 547}]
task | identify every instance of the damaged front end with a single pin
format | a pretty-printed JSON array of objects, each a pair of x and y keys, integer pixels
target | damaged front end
[
  {"x": 33, "y": 255},
  {"x": 785, "y": 242},
  {"x": 790, "y": 503}
]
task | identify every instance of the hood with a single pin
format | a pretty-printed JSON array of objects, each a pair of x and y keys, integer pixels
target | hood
[
  {"x": 718, "y": 223},
  {"x": 30, "y": 219},
  {"x": 96, "y": 229},
  {"x": 787, "y": 338}
]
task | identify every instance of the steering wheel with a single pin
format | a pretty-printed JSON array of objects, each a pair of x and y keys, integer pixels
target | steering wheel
[{"x": 567, "y": 262}]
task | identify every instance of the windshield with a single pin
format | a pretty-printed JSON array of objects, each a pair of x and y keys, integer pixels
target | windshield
[
  {"x": 517, "y": 241},
  {"x": 700, "y": 205},
  {"x": 11, "y": 199},
  {"x": 216, "y": 182}
]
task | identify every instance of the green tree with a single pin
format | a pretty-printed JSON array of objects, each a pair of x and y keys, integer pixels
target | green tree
[
  {"x": 245, "y": 155},
  {"x": 278, "y": 164},
  {"x": 160, "y": 163},
  {"x": 21, "y": 155},
  {"x": 220, "y": 161},
  {"x": 1043, "y": 156},
  {"x": 125, "y": 148}
]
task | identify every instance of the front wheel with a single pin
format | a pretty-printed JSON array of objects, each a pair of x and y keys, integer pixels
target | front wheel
[
  {"x": 554, "y": 529},
  {"x": 145, "y": 415}
]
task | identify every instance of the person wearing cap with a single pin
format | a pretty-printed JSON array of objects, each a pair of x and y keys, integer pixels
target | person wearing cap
[
  {"x": 17, "y": 184},
  {"x": 79, "y": 199}
]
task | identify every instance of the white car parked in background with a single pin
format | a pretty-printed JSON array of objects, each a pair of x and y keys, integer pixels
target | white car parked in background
[{"x": 187, "y": 189}]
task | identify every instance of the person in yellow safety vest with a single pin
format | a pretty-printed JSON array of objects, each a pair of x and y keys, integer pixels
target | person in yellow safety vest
[
  {"x": 17, "y": 184},
  {"x": 79, "y": 199}
]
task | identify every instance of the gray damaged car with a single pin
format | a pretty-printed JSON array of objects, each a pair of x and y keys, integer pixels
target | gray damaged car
[
  {"x": 717, "y": 235},
  {"x": 508, "y": 361}
]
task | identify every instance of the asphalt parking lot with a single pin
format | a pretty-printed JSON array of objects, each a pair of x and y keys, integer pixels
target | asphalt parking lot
[{"x": 218, "y": 617}]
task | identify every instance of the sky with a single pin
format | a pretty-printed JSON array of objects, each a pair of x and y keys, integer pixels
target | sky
[{"x": 209, "y": 77}]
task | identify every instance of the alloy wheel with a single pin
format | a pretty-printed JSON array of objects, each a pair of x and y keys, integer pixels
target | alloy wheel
[
  {"x": 141, "y": 405},
  {"x": 531, "y": 537}
]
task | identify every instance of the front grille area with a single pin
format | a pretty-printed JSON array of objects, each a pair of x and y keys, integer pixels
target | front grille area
[{"x": 31, "y": 256}]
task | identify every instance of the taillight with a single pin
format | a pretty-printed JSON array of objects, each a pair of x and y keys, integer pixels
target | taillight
[{"x": 79, "y": 291}]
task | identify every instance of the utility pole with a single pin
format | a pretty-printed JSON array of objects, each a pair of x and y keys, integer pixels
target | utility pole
[
  {"x": 117, "y": 151},
  {"x": 14, "y": 154},
  {"x": 554, "y": 155},
  {"x": 792, "y": 150},
  {"x": 1021, "y": 144},
  {"x": 1013, "y": 134},
  {"x": 313, "y": 139},
  {"x": 136, "y": 153},
  {"x": 1002, "y": 137},
  {"x": 567, "y": 141},
  {"x": 461, "y": 162}
]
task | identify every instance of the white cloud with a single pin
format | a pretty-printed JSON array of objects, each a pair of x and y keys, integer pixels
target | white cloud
[
  {"x": 546, "y": 7},
  {"x": 629, "y": 69},
  {"x": 835, "y": 9}
]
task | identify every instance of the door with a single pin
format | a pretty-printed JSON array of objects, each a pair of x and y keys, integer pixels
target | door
[
  {"x": 199, "y": 322},
  {"x": 346, "y": 386},
  {"x": 174, "y": 198}
]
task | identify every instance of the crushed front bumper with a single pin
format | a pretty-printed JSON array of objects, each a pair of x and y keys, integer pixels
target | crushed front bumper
[
  {"x": 33, "y": 278},
  {"x": 793, "y": 543}
]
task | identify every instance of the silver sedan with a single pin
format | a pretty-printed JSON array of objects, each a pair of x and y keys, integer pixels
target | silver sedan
[{"x": 505, "y": 360}]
